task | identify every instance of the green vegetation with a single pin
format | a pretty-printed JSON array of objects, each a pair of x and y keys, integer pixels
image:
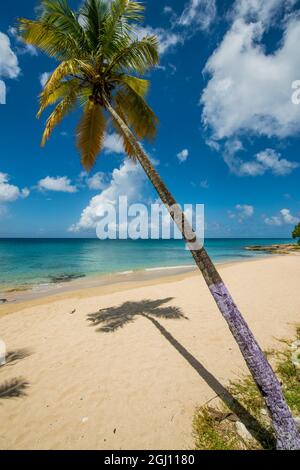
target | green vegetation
[
  {"x": 212, "y": 434},
  {"x": 216, "y": 428},
  {"x": 296, "y": 233}
]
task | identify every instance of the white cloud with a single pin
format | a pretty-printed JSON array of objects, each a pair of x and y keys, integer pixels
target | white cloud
[
  {"x": 57, "y": 184},
  {"x": 261, "y": 10},
  {"x": 269, "y": 159},
  {"x": 241, "y": 212},
  {"x": 9, "y": 67},
  {"x": 249, "y": 90},
  {"x": 245, "y": 210},
  {"x": 113, "y": 144},
  {"x": 96, "y": 182},
  {"x": 197, "y": 14},
  {"x": 23, "y": 48},
  {"x": 44, "y": 78},
  {"x": 9, "y": 192},
  {"x": 283, "y": 218},
  {"x": 264, "y": 161},
  {"x": 128, "y": 181},
  {"x": 167, "y": 39},
  {"x": 200, "y": 13},
  {"x": 183, "y": 155},
  {"x": 168, "y": 10}
]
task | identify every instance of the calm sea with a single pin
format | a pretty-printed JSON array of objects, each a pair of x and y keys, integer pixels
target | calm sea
[{"x": 37, "y": 261}]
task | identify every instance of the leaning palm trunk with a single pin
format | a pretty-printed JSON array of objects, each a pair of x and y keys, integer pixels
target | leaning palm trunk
[{"x": 284, "y": 426}]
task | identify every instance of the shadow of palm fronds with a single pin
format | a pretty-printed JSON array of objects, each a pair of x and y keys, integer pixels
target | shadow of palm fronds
[
  {"x": 13, "y": 356},
  {"x": 14, "y": 388},
  {"x": 113, "y": 318}
]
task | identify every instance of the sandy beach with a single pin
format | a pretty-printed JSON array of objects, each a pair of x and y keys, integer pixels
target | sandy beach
[{"x": 130, "y": 377}]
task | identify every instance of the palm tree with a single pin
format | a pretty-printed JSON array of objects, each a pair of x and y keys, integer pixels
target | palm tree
[{"x": 101, "y": 59}]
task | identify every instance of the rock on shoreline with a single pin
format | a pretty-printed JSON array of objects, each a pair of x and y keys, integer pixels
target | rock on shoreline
[{"x": 283, "y": 249}]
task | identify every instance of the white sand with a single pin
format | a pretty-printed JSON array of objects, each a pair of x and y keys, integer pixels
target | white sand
[{"x": 135, "y": 388}]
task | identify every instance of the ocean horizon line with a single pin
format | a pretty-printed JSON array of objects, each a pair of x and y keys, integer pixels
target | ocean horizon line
[{"x": 145, "y": 240}]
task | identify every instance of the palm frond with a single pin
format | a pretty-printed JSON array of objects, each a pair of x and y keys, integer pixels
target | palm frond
[
  {"x": 13, "y": 388},
  {"x": 48, "y": 37},
  {"x": 65, "y": 68},
  {"x": 59, "y": 13},
  {"x": 139, "y": 85},
  {"x": 57, "y": 31},
  {"x": 118, "y": 27},
  {"x": 93, "y": 14},
  {"x": 138, "y": 56},
  {"x": 56, "y": 87},
  {"x": 14, "y": 356},
  {"x": 61, "y": 110},
  {"x": 90, "y": 134},
  {"x": 139, "y": 115},
  {"x": 84, "y": 94},
  {"x": 128, "y": 10},
  {"x": 48, "y": 98}
]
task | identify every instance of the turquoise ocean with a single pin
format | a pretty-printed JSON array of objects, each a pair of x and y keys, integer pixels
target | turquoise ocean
[{"x": 30, "y": 262}]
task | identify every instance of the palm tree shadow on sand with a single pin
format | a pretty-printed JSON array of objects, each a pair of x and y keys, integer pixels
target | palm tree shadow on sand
[
  {"x": 114, "y": 318},
  {"x": 16, "y": 387}
]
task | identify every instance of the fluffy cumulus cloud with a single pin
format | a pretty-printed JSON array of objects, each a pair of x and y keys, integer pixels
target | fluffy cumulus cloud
[
  {"x": 57, "y": 184},
  {"x": 10, "y": 192},
  {"x": 249, "y": 91},
  {"x": 241, "y": 212},
  {"x": 284, "y": 217},
  {"x": 199, "y": 13},
  {"x": 128, "y": 181},
  {"x": 96, "y": 182},
  {"x": 267, "y": 160},
  {"x": 260, "y": 10},
  {"x": 245, "y": 210},
  {"x": 113, "y": 144},
  {"x": 167, "y": 38},
  {"x": 44, "y": 78},
  {"x": 9, "y": 66},
  {"x": 183, "y": 155}
]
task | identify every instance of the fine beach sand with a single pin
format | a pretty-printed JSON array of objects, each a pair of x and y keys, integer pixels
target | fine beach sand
[{"x": 136, "y": 387}]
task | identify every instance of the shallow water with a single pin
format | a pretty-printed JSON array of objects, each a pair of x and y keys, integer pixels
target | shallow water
[{"x": 42, "y": 262}]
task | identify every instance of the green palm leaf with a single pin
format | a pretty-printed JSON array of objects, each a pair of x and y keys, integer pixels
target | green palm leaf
[
  {"x": 100, "y": 60},
  {"x": 90, "y": 134},
  {"x": 61, "y": 110},
  {"x": 139, "y": 115}
]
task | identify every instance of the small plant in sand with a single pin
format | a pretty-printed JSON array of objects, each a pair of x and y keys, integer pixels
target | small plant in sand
[
  {"x": 296, "y": 233},
  {"x": 218, "y": 428}
]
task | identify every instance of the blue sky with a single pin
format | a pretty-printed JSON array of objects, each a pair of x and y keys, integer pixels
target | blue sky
[{"x": 228, "y": 135}]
